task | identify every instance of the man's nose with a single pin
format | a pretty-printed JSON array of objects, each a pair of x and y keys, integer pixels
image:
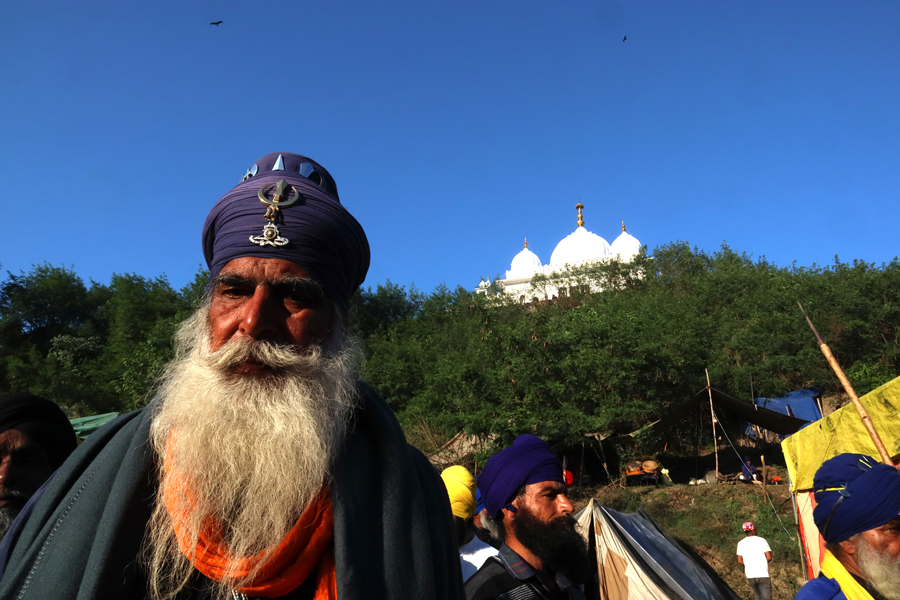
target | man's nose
[
  {"x": 7, "y": 473},
  {"x": 260, "y": 314},
  {"x": 563, "y": 505}
]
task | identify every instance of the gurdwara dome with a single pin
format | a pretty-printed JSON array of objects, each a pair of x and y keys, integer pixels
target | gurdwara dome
[
  {"x": 580, "y": 246},
  {"x": 625, "y": 247},
  {"x": 524, "y": 264}
]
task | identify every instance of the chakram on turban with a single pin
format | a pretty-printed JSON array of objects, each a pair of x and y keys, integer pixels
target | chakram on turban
[
  {"x": 40, "y": 420},
  {"x": 461, "y": 489},
  {"x": 528, "y": 460},
  {"x": 318, "y": 233},
  {"x": 854, "y": 493}
]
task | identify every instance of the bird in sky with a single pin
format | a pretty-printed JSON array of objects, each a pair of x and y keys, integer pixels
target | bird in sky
[
  {"x": 216, "y": 23},
  {"x": 623, "y": 39}
]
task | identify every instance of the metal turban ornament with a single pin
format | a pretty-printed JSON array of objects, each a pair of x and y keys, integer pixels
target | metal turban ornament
[{"x": 270, "y": 234}]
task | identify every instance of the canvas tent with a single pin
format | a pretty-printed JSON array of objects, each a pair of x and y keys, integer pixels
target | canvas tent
[
  {"x": 841, "y": 431},
  {"x": 636, "y": 560},
  {"x": 767, "y": 419}
]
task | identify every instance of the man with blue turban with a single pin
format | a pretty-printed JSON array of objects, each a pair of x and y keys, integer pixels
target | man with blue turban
[
  {"x": 264, "y": 467},
  {"x": 858, "y": 514},
  {"x": 542, "y": 555}
]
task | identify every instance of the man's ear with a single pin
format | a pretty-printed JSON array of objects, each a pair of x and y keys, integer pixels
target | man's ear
[
  {"x": 848, "y": 547},
  {"x": 509, "y": 511}
]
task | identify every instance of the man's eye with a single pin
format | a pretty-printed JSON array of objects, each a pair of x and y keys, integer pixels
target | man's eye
[
  {"x": 233, "y": 292},
  {"x": 303, "y": 298}
]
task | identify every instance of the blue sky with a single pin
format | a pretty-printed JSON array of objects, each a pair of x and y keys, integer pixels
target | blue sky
[{"x": 453, "y": 129}]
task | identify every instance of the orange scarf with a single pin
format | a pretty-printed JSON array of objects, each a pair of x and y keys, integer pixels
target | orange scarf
[{"x": 308, "y": 546}]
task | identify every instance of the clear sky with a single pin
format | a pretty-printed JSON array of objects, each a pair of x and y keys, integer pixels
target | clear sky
[{"x": 453, "y": 129}]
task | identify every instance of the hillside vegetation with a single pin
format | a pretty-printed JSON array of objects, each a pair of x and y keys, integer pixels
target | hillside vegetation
[
  {"x": 613, "y": 361},
  {"x": 453, "y": 361}
]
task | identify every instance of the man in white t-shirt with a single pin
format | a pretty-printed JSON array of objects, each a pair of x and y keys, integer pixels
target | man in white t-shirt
[{"x": 754, "y": 553}]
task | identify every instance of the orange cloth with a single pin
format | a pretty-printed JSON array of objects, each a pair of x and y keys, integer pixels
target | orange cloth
[{"x": 307, "y": 547}]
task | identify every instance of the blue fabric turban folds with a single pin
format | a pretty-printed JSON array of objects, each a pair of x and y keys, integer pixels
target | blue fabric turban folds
[
  {"x": 854, "y": 493},
  {"x": 528, "y": 460},
  {"x": 323, "y": 237}
]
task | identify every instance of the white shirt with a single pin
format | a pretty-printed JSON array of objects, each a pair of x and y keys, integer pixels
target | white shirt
[
  {"x": 473, "y": 554},
  {"x": 753, "y": 549}
]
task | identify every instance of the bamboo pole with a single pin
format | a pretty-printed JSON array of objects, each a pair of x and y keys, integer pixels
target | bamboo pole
[
  {"x": 765, "y": 477},
  {"x": 581, "y": 470},
  {"x": 605, "y": 467},
  {"x": 867, "y": 421},
  {"x": 713, "y": 415}
]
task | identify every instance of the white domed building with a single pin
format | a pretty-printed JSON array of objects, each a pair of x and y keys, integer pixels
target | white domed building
[
  {"x": 524, "y": 265},
  {"x": 625, "y": 247},
  {"x": 579, "y": 248}
]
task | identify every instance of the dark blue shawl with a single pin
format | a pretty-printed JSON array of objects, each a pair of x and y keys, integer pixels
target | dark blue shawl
[{"x": 394, "y": 535}]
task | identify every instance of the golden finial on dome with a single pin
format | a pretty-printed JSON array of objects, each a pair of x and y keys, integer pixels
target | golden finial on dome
[
  {"x": 623, "y": 226},
  {"x": 526, "y": 242},
  {"x": 580, "y": 206}
]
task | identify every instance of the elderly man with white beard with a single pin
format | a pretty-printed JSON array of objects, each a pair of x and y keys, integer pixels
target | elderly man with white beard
[
  {"x": 264, "y": 467},
  {"x": 858, "y": 514}
]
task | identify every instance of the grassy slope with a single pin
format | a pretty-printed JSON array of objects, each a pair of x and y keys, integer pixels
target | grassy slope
[{"x": 708, "y": 519}]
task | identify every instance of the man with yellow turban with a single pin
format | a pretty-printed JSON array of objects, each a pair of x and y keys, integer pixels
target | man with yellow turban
[{"x": 461, "y": 488}]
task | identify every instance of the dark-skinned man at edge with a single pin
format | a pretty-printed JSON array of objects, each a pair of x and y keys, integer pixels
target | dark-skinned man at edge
[
  {"x": 542, "y": 555},
  {"x": 858, "y": 514},
  {"x": 35, "y": 438},
  {"x": 264, "y": 467}
]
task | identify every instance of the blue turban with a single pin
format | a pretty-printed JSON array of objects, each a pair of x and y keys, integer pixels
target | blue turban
[
  {"x": 854, "y": 493},
  {"x": 479, "y": 501},
  {"x": 323, "y": 237},
  {"x": 528, "y": 460}
]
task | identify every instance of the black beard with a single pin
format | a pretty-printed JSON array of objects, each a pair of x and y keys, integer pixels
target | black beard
[
  {"x": 8, "y": 514},
  {"x": 556, "y": 543}
]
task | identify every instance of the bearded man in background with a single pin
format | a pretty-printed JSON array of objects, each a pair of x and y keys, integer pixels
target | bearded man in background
[
  {"x": 542, "y": 554},
  {"x": 264, "y": 467}
]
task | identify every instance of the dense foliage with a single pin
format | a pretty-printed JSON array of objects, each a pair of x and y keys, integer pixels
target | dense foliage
[
  {"x": 452, "y": 361},
  {"x": 90, "y": 349},
  {"x": 615, "y": 360}
]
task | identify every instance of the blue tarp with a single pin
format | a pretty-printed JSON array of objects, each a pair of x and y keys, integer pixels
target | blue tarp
[{"x": 800, "y": 403}]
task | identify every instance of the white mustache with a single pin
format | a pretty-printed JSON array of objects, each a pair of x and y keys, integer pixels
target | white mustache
[{"x": 279, "y": 357}]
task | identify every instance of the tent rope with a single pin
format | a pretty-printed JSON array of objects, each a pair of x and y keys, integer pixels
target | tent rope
[
  {"x": 602, "y": 460},
  {"x": 740, "y": 458}
]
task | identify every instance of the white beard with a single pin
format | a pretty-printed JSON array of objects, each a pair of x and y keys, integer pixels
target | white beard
[
  {"x": 881, "y": 571},
  {"x": 254, "y": 451}
]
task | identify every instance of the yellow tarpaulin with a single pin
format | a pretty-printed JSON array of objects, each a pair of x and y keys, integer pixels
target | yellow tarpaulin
[{"x": 843, "y": 431}]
